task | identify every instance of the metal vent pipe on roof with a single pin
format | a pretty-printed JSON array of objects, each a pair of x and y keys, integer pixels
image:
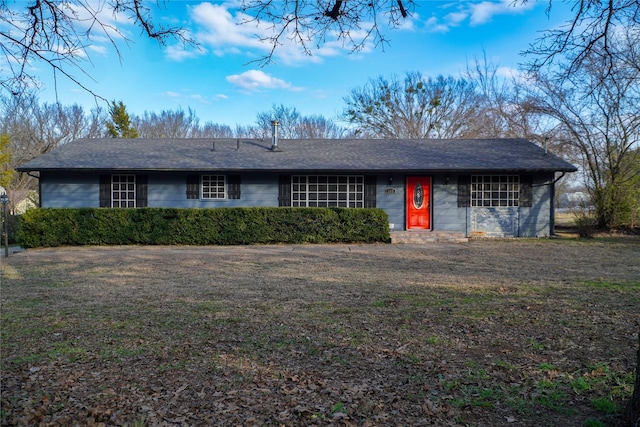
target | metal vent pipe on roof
[
  {"x": 274, "y": 135},
  {"x": 546, "y": 143}
]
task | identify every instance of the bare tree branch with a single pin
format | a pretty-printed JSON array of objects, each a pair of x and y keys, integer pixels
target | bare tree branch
[
  {"x": 589, "y": 32},
  {"x": 312, "y": 22},
  {"x": 58, "y": 33}
]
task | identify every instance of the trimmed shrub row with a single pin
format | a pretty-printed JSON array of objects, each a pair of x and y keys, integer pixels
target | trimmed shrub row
[{"x": 220, "y": 226}]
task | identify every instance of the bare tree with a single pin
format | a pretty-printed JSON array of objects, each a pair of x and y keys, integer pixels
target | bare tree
[
  {"x": 292, "y": 124},
  {"x": 167, "y": 124},
  {"x": 215, "y": 130},
  {"x": 503, "y": 111},
  {"x": 319, "y": 127},
  {"x": 593, "y": 30},
  {"x": 35, "y": 129},
  {"x": 288, "y": 118},
  {"x": 58, "y": 33},
  {"x": 415, "y": 107},
  {"x": 312, "y": 22},
  {"x": 596, "y": 108}
]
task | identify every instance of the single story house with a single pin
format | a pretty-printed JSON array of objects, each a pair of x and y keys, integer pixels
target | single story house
[{"x": 487, "y": 187}]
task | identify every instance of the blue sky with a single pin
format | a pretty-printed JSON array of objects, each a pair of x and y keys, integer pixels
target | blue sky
[{"x": 221, "y": 84}]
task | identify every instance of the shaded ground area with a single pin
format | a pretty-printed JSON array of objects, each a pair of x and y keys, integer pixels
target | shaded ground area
[{"x": 515, "y": 332}]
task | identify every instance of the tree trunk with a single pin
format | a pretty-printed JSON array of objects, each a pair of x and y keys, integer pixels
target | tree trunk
[{"x": 631, "y": 416}]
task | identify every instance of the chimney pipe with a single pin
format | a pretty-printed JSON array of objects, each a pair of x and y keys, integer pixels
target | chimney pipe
[
  {"x": 546, "y": 143},
  {"x": 274, "y": 137}
]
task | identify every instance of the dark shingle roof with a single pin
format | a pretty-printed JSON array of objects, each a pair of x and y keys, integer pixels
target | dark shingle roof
[{"x": 430, "y": 155}]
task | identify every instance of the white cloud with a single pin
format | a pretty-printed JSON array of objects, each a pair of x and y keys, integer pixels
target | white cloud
[
  {"x": 433, "y": 25},
  {"x": 476, "y": 13},
  {"x": 220, "y": 29},
  {"x": 180, "y": 53},
  {"x": 508, "y": 72},
  {"x": 254, "y": 80},
  {"x": 483, "y": 12},
  {"x": 513, "y": 74},
  {"x": 456, "y": 18},
  {"x": 200, "y": 99},
  {"x": 409, "y": 23},
  {"x": 225, "y": 31},
  {"x": 99, "y": 49},
  {"x": 187, "y": 97}
]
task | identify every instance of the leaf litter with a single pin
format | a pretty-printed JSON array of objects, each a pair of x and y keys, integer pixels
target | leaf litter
[{"x": 521, "y": 332}]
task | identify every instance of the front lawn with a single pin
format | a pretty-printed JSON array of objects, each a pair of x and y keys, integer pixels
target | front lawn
[{"x": 511, "y": 332}]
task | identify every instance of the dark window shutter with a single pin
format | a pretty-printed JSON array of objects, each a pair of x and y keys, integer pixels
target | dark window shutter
[
  {"x": 193, "y": 186},
  {"x": 370, "y": 191},
  {"x": 526, "y": 193},
  {"x": 233, "y": 186},
  {"x": 105, "y": 191},
  {"x": 284, "y": 190},
  {"x": 141, "y": 191},
  {"x": 464, "y": 191}
]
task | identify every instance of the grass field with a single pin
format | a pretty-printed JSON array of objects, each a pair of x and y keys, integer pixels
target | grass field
[{"x": 486, "y": 333}]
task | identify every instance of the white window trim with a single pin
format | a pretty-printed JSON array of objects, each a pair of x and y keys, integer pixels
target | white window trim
[
  {"x": 225, "y": 190},
  {"x": 119, "y": 191}
]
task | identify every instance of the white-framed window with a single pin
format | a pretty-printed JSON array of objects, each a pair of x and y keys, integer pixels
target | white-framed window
[
  {"x": 123, "y": 191},
  {"x": 213, "y": 187},
  {"x": 327, "y": 191},
  {"x": 495, "y": 190}
]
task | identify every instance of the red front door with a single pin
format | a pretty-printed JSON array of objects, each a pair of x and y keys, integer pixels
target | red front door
[{"x": 419, "y": 202}]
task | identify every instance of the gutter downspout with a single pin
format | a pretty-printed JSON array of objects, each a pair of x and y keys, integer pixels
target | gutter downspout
[
  {"x": 552, "y": 214},
  {"x": 39, "y": 187}
]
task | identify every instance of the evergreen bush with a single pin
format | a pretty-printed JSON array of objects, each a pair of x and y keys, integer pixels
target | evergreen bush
[{"x": 221, "y": 226}]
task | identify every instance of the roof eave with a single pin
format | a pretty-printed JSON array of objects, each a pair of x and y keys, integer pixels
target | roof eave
[{"x": 311, "y": 169}]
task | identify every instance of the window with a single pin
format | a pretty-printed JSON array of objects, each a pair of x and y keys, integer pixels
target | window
[
  {"x": 213, "y": 187},
  {"x": 123, "y": 191},
  {"x": 327, "y": 191},
  {"x": 216, "y": 187},
  {"x": 495, "y": 190}
]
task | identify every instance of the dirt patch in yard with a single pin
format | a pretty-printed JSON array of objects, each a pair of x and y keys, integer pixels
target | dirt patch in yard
[{"x": 514, "y": 332}]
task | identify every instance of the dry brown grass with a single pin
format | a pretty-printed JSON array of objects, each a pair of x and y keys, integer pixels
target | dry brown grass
[{"x": 515, "y": 332}]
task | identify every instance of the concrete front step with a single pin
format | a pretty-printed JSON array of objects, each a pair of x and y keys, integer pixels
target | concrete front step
[{"x": 418, "y": 237}]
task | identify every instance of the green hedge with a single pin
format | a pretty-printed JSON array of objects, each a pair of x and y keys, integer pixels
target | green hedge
[{"x": 223, "y": 226}]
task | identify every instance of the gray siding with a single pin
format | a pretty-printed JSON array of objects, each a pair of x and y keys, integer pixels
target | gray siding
[
  {"x": 169, "y": 190},
  {"x": 390, "y": 197},
  {"x": 76, "y": 190},
  {"x": 69, "y": 190},
  {"x": 535, "y": 221},
  {"x": 447, "y": 216}
]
